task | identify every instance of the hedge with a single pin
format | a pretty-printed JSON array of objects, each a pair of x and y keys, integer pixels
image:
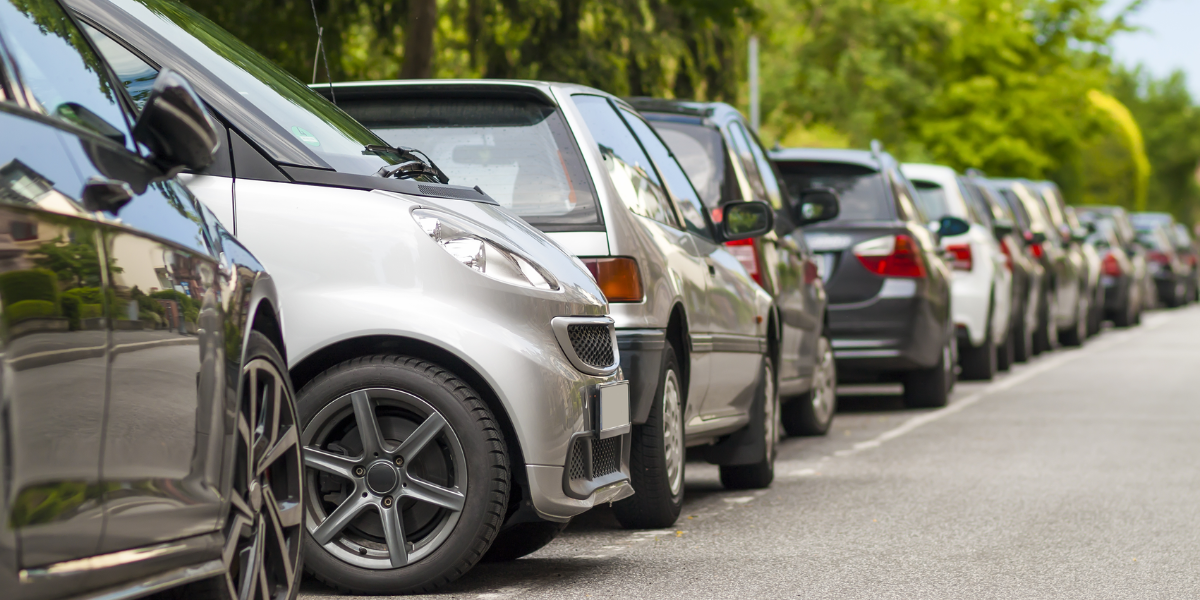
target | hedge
[
  {"x": 29, "y": 284},
  {"x": 30, "y": 309}
]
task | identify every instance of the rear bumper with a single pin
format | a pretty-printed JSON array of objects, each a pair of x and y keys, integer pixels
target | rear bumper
[{"x": 886, "y": 334}]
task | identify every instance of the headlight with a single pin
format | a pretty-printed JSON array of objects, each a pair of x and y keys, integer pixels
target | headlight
[{"x": 473, "y": 249}]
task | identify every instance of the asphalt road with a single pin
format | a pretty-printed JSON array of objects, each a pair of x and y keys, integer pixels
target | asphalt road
[{"x": 1072, "y": 477}]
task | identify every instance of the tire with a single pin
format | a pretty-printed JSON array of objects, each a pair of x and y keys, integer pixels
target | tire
[
  {"x": 1046, "y": 335},
  {"x": 429, "y": 488},
  {"x": 269, "y": 539},
  {"x": 812, "y": 413},
  {"x": 1006, "y": 353},
  {"x": 979, "y": 363},
  {"x": 1022, "y": 334},
  {"x": 1127, "y": 315},
  {"x": 930, "y": 388},
  {"x": 656, "y": 460},
  {"x": 760, "y": 474},
  {"x": 1076, "y": 334},
  {"x": 522, "y": 539}
]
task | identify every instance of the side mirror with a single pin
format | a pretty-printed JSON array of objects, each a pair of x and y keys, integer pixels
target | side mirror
[
  {"x": 742, "y": 220},
  {"x": 175, "y": 126},
  {"x": 106, "y": 194},
  {"x": 1003, "y": 228},
  {"x": 816, "y": 205},
  {"x": 952, "y": 226},
  {"x": 1037, "y": 237}
]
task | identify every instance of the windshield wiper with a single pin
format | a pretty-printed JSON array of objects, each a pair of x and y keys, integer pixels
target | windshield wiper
[{"x": 414, "y": 163}]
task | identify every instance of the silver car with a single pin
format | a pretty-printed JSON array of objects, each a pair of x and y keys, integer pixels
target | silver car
[
  {"x": 458, "y": 372},
  {"x": 694, "y": 329}
]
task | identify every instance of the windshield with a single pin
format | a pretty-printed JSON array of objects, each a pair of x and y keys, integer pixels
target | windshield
[
  {"x": 860, "y": 189},
  {"x": 314, "y": 132},
  {"x": 518, "y": 152}
]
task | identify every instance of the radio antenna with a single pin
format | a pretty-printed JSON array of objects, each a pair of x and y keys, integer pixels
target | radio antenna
[{"x": 321, "y": 51}]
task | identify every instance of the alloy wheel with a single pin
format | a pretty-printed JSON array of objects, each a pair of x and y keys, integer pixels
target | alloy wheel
[
  {"x": 388, "y": 478},
  {"x": 824, "y": 380},
  {"x": 673, "y": 433},
  {"x": 772, "y": 423},
  {"x": 262, "y": 543}
]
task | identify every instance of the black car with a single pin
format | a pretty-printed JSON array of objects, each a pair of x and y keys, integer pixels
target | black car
[
  {"x": 887, "y": 282},
  {"x": 727, "y": 163},
  {"x": 1176, "y": 269},
  {"x": 1186, "y": 247},
  {"x": 1077, "y": 288},
  {"x": 1123, "y": 271},
  {"x": 149, "y": 435}
]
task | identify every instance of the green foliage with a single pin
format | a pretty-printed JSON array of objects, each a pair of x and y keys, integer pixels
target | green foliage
[
  {"x": 85, "y": 295},
  {"x": 91, "y": 311},
  {"x": 30, "y": 284},
  {"x": 76, "y": 262},
  {"x": 30, "y": 309},
  {"x": 70, "y": 310}
]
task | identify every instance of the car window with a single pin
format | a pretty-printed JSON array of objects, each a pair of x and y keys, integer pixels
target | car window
[
  {"x": 741, "y": 149},
  {"x": 517, "y": 151},
  {"x": 38, "y": 34},
  {"x": 931, "y": 197},
  {"x": 628, "y": 166},
  {"x": 860, "y": 189},
  {"x": 701, "y": 152},
  {"x": 769, "y": 182},
  {"x": 678, "y": 184},
  {"x": 134, "y": 73},
  {"x": 904, "y": 201}
]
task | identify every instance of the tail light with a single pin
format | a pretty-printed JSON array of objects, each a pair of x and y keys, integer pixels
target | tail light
[
  {"x": 962, "y": 256},
  {"x": 747, "y": 254},
  {"x": 1007, "y": 253},
  {"x": 618, "y": 278},
  {"x": 811, "y": 273},
  {"x": 1111, "y": 267},
  {"x": 891, "y": 256},
  {"x": 1158, "y": 257},
  {"x": 1191, "y": 259},
  {"x": 1035, "y": 250}
]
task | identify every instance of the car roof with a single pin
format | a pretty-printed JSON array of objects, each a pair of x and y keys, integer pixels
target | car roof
[
  {"x": 437, "y": 87},
  {"x": 690, "y": 110},
  {"x": 863, "y": 158}
]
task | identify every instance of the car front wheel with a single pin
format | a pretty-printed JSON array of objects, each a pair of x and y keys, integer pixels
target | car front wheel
[
  {"x": 812, "y": 413},
  {"x": 656, "y": 459},
  {"x": 760, "y": 474}
]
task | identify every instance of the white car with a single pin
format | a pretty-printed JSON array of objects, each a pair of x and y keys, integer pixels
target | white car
[{"x": 981, "y": 289}]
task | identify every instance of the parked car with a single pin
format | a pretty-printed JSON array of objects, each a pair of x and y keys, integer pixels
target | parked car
[
  {"x": 1170, "y": 272},
  {"x": 1026, "y": 272},
  {"x": 1042, "y": 242},
  {"x": 1095, "y": 266},
  {"x": 1076, "y": 287},
  {"x": 695, "y": 331},
  {"x": 890, "y": 314},
  {"x": 1124, "y": 276},
  {"x": 458, "y": 376},
  {"x": 728, "y": 163},
  {"x": 1187, "y": 248},
  {"x": 1181, "y": 243},
  {"x": 150, "y": 436},
  {"x": 981, "y": 288}
]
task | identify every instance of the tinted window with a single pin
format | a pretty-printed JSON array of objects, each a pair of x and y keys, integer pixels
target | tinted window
[
  {"x": 628, "y": 167},
  {"x": 769, "y": 182},
  {"x": 137, "y": 76},
  {"x": 701, "y": 152},
  {"x": 67, "y": 79},
  {"x": 861, "y": 190},
  {"x": 677, "y": 181},
  {"x": 904, "y": 201},
  {"x": 519, "y": 152}
]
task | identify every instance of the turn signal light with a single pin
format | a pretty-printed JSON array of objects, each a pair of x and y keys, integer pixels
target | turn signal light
[
  {"x": 618, "y": 278},
  {"x": 891, "y": 256},
  {"x": 747, "y": 254},
  {"x": 962, "y": 256},
  {"x": 1110, "y": 266}
]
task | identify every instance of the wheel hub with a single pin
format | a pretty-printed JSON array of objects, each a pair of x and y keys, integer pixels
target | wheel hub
[
  {"x": 256, "y": 496},
  {"x": 382, "y": 478}
]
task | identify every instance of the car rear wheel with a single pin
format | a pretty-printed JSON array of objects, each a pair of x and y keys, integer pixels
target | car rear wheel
[
  {"x": 930, "y": 388},
  {"x": 979, "y": 362},
  {"x": 656, "y": 461},
  {"x": 522, "y": 539},
  {"x": 1022, "y": 334},
  {"x": 1006, "y": 352},
  {"x": 408, "y": 475},
  {"x": 812, "y": 413},
  {"x": 760, "y": 474},
  {"x": 1075, "y": 336}
]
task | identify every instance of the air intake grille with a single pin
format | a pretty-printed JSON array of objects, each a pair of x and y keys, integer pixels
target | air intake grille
[
  {"x": 449, "y": 192},
  {"x": 606, "y": 456},
  {"x": 593, "y": 344},
  {"x": 578, "y": 468}
]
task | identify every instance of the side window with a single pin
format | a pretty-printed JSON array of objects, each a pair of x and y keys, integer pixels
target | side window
[
  {"x": 77, "y": 89},
  {"x": 741, "y": 147},
  {"x": 904, "y": 202},
  {"x": 628, "y": 166},
  {"x": 677, "y": 180},
  {"x": 137, "y": 76},
  {"x": 770, "y": 178}
]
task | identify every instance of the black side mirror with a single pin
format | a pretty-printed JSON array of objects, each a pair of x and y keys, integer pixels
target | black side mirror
[
  {"x": 1003, "y": 228},
  {"x": 952, "y": 226},
  {"x": 742, "y": 220},
  {"x": 175, "y": 126},
  {"x": 1037, "y": 237},
  {"x": 816, "y": 205},
  {"x": 107, "y": 195}
]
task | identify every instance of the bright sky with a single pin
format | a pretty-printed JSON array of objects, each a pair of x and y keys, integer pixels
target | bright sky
[{"x": 1170, "y": 38}]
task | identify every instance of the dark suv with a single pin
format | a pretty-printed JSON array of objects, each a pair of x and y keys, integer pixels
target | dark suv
[
  {"x": 887, "y": 282},
  {"x": 149, "y": 434},
  {"x": 727, "y": 164}
]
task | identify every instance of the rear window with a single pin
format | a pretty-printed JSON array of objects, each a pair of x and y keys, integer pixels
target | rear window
[
  {"x": 861, "y": 189},
  {"x": 701, "y": 152},
  {"x": 931, "y": 198},
  {"x": 518, "y": 152}
]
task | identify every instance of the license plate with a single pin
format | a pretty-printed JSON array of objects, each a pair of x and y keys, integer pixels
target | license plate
[
  {"x": 612, "y": 409},
  {"x": 824, "y": 262}
]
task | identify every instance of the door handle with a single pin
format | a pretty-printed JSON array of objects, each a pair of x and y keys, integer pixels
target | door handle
[{"x": 712, "y": 269}]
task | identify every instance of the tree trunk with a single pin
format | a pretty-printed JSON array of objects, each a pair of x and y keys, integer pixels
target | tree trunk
[{"x": 418, "y": 41}]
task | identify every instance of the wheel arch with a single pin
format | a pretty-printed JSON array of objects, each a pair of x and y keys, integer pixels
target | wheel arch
[{"x": 677, "y": 336}]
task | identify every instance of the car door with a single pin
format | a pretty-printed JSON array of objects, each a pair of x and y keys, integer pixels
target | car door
[
  {"x": 53, "y": 336},
  {"x": 160, "y": 463},
  {"x": 732, "y": 335}
]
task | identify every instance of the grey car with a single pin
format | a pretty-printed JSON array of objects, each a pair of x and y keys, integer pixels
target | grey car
[
  {"x": 694, "y": 329},
  {"x": 459, "y": 387}
]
